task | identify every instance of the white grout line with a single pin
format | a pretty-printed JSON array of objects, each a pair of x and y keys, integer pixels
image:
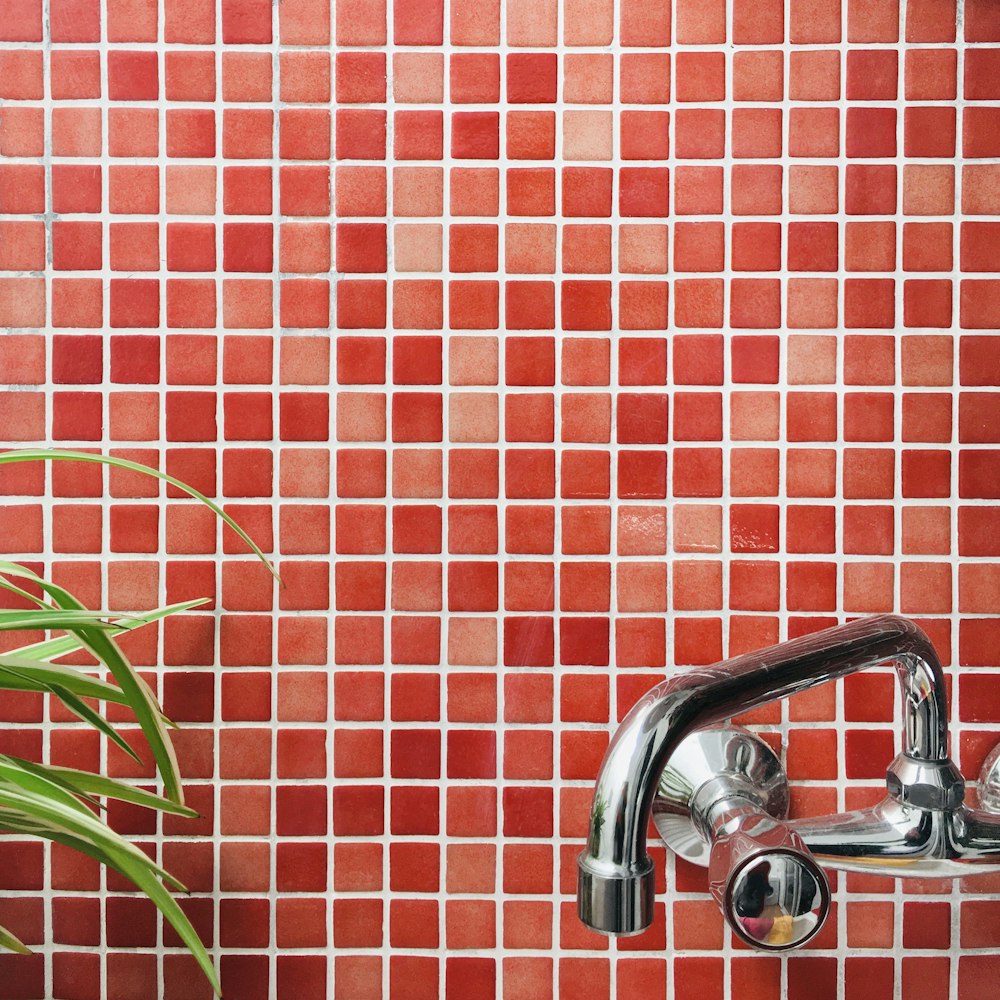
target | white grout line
[{"x": 503, "y": 505}]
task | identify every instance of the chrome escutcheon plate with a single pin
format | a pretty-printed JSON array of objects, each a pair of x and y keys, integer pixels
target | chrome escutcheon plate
[{"x": 713, "y": 762}]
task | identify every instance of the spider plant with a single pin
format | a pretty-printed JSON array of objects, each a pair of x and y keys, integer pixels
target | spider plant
[{"x": 63, "y": 804}]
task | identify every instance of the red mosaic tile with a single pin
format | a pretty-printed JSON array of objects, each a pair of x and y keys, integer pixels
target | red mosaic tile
[{"x": 708, "y": 415}]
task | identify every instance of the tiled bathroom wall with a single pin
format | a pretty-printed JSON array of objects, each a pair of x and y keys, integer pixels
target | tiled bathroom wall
[{"x": 549, "y": 348}]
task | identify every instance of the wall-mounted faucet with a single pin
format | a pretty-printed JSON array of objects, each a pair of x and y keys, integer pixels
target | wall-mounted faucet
[{"x": 719, "y": 797}]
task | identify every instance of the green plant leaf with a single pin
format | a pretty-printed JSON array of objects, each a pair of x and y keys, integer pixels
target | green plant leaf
[
  {"x": 147, "y": 881},
  {"x": 14, "y": 822},
  {"x": 21, "y": 674},
  {"x": 75, "y": 705},
  {"x": 136, "y": 690},
  {"x": 52, "y": 816},
  {"x": 12, "y": 775},
  {"x": 89, "y": 784},
  {"x": 57, "y": 454},
  {"x": 18, "y": 621},
  {"x": 56, "y": 803},
  {"x": 83, "y": 711},
  {"x": 51, "y": 649},
  {"x": 12, "y": 942}
]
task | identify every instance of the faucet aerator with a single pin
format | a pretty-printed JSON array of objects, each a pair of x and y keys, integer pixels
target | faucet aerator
[{"x": 615, "y": 905}]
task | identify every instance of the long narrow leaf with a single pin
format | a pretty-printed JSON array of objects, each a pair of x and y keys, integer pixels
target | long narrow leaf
[
  {"x": 51, "y": 649},
  {"x": 30, "y": 614},
  {"x": 14, "y": 821},
  {"x": 140, "y": 698},
  {"x": 87, "y": 783},
  {"x": 21, "y": 620},
  {"x": 51, "y": 811},
  {"x": 128, "y": 859},
  {"x": 83, "y": 711},
  {"x": 53, "y": 454},
  {"x": 21, "y": 674},
  {"x": 146, "y": 709},
  {"x": 168, "y": 906},
  {"x": 23, "y": 811},
  {"x": 12, "y": 942},
  {"x": 14, "y": 778},
  {"x": 42, "y": 605}
]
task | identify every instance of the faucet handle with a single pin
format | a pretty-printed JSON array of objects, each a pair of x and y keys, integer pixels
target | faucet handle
[
  {"x": 769, "y": 887},
  {"x": 721, "y": 802}
]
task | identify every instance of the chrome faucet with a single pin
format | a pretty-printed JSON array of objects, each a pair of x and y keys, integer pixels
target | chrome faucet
[{"x": 719, "y": 797}]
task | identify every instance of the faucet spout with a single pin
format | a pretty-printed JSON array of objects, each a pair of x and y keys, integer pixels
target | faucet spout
[{"x": 615, "y": 886}]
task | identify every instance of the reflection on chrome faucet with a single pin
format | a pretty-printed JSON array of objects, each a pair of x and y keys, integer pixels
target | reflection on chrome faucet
[
  {"x": 777, "y": 908},
  {"x": 718, "y": 795},
  {"x": 761, "y": 874}
]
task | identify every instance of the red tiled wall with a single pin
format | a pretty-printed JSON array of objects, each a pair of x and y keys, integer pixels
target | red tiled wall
[{"x": 548, "y": 348}]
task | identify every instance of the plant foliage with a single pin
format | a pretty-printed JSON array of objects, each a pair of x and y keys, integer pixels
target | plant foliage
[{"x": 62, "y": 804}]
